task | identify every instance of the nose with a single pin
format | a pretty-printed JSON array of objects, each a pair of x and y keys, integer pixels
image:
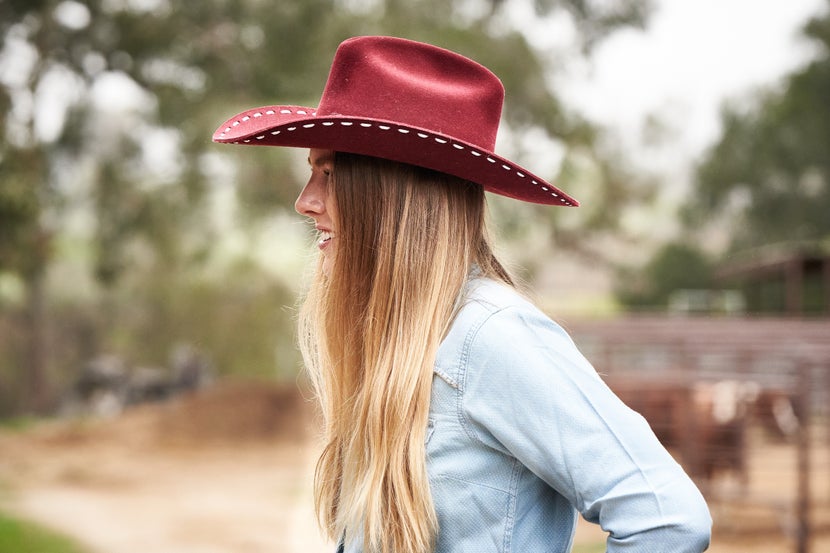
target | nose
[{"x": 310, "y": 202}]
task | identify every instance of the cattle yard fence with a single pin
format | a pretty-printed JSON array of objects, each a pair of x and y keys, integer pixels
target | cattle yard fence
[{"x": 743, "y": 404}]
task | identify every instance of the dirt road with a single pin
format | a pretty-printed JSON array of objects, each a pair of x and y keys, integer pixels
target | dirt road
[
  {"x": 229, "y": 470},
  {"x": 226, "y": 471}
]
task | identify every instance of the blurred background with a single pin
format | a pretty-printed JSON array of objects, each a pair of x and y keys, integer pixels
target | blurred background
[{"x": 151, "y": 394}]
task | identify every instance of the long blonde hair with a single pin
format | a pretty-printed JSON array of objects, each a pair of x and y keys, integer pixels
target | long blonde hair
[{"x": 406, "y": 238}]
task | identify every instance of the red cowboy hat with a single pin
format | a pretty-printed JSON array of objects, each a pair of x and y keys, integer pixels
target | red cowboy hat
[{"x": 405, "y": 101}]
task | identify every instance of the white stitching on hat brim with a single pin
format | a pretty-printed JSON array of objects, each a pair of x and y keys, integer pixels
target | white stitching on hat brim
[{"x": 298, "y": 126}]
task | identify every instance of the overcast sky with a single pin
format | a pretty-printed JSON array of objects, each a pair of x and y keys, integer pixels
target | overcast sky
[{"x": 693, "y": 55}]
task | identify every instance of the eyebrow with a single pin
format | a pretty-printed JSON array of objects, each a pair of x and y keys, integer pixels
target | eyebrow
[{"x": 321, "y": 160}]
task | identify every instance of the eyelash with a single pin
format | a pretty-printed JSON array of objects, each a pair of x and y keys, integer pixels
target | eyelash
[{"x": 326, "y": 172}]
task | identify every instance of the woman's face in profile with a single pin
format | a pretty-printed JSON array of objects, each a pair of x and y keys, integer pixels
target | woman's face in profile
[{"x": 316, "y": 201}]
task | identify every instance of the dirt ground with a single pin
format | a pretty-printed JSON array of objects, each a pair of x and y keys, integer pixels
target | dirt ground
[
  {"x": 225, "y": 470},
  {"x": 229, "y": 469}
]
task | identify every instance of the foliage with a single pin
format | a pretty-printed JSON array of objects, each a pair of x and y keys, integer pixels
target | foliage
[
  {"x": 765, "y": 182},
  {"x": 675, "y": 266},
  {"x": 19, "y": 208},
  {"x": 191, "y": 64},
  {"x": 770, "y": 171},
  {"x": 18, "y": 536},
  {"x": 245, "y": 329},
  {"x": 106, "y": 109}
]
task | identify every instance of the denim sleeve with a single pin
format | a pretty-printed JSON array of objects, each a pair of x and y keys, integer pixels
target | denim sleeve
[{"x": 529, "y": 392}]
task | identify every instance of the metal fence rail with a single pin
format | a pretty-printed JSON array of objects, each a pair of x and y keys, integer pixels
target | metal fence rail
[{"x": 744, "y": 405}]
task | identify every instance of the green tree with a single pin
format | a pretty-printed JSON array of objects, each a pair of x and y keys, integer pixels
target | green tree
[
  {"x": 769, "y": 172},
  {"x": 107, "y": 106},
  {"x": 106, "y": 109},
  {"x": 675, "y": 266}
]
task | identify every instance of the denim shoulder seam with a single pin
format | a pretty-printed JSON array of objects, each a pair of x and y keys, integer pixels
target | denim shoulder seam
[
  {"x": 511, "y": 510},
  {"x": 443, "y": 375},
  {"x": 469, "y": 340}
]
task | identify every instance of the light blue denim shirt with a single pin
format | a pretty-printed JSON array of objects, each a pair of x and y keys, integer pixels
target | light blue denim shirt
[{"x": 523, "y": 435}]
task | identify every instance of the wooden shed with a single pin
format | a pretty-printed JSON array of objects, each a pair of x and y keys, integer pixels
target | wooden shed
[{"x": 791, "y": 279}]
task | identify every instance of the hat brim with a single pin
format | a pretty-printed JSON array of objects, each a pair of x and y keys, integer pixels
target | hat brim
[{"x": 297, "y": 126}]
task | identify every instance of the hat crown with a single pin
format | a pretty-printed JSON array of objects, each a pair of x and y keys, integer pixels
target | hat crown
[
  {"x": 404, "y": 101},
  {"x": 416, "y": 84}
]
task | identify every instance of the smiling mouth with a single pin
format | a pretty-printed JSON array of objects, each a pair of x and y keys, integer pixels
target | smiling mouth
[{"x": 325, "y": 238}]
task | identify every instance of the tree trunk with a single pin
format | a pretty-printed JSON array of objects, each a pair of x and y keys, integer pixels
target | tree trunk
[{"x": 35, "y": 378}]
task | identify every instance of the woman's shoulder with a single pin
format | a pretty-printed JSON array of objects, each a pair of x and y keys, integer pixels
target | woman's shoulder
[
  {"x": 485, "y": 296},
  {"x": 487, "y": 303},
  {"x": 499, "y": 311},
  {"x": 495, "y": 318}
]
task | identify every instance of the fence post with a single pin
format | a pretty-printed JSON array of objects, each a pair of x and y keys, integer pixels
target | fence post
[{"x": 802, "y": 507}]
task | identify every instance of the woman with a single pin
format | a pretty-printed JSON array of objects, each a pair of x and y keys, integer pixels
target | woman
[{"x": 458, "y": 417}]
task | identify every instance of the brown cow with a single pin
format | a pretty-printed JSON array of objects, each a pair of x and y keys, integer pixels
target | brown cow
[
  {"x": 776, "y": 412},
  {"x": 703, "y": 423}
]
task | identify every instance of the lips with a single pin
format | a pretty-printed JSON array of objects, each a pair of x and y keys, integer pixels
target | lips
[{"x": 324, "y": 238}]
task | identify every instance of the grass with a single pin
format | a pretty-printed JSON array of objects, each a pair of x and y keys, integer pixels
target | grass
[
  {"x": 17, "y": 424},
  {"x": 19, "y": 536}
]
